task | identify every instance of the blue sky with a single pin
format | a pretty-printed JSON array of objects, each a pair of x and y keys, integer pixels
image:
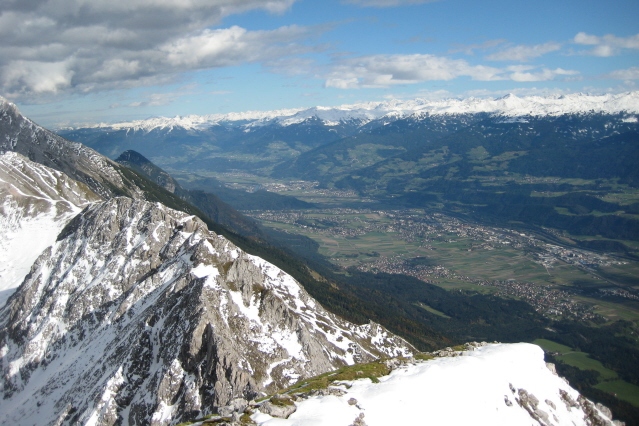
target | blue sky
[{"x": 77, "y": 61}]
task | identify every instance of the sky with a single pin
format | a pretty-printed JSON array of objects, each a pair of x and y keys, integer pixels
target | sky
[{"x": 74, "y": 62}]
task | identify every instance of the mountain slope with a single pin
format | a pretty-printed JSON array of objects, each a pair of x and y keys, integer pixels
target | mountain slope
[
  {"x": 139, "y": 314},
  {"x": 37, "y": 203},
  {"x": 21, "y": 135}
]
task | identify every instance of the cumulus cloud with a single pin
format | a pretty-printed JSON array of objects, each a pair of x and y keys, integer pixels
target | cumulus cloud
[
  {"x": 388, "y": 70},
  {"x": 608, "y": 45},
  {"x": 386, "y": 3},
  {"x": 543, "y": 75},
  {"x": 523, "y": 53},
  {"x": 49, "y": 46},
  {"x": 40, "y": 77}
]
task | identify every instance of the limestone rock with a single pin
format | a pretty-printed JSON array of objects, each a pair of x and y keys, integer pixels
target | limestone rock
[{"x": 278, "y": 410}]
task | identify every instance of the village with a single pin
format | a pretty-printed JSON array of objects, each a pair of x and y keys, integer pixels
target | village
[{"x": 430, "y": 230}]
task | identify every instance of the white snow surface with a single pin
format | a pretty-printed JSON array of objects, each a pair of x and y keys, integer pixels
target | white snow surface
[
  {"x": 37, "y": 202},
  {"x": 509, "y": 105},
  {"x": 465, "y": 390}
]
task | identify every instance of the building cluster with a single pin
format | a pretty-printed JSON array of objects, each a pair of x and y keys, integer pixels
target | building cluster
[
  {"x": 428, "y": 229},
  {"x": 545, "y": 300}
]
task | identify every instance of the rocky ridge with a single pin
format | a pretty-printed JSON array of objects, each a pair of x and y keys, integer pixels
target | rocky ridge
[
  {"x": 21, "y": 135},
  {"x": 139, "y": 314}
]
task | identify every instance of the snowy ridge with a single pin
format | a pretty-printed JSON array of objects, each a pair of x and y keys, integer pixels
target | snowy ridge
[
  {"x": 20, "y": 134},
  {"x": 37, "y": 203},
  {"x": 139, "y": 314},
  {"x": 363, "y": 113},
  {"x": 494, "y": 385}
]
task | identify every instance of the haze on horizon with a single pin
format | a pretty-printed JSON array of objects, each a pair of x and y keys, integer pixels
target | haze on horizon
[{"x": 72, "y": 61}]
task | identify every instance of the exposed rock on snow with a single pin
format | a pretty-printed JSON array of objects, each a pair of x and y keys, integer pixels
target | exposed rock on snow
[{"x": 139, "y": 314}]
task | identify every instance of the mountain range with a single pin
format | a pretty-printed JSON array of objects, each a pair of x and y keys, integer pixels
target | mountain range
[
  {"x": 504, "y": 160},
  {"x": 507, "y": 106},
  {"x": 131, "y": 306}
]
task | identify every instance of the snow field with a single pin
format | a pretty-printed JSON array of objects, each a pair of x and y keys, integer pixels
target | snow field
[{"x": 466, "y": 390}]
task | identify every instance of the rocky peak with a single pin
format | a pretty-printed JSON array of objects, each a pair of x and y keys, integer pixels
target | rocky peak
[{"x": 139, "y": 314}]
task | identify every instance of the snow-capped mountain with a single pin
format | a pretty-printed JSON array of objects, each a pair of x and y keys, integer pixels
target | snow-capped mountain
[
  {"x": 492, "y": 385},
  {"x": 509, "y": 105},
  {"x": 37, "y": 203},
  {"x": 138, "y": 314}
]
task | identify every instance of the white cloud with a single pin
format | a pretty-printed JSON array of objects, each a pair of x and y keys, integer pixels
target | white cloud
[
  {"x": 105, "y": 44},
  {"x": 608, "y": 45},
  {"x": 386, "y": 3},
  {"x": 543, "y": 75},
  {"x": 523, "y": 53},
  {"x": 388, "y": 70},
  {"x": 627, "y": 74},
  {"x": 40, "y": 77},
  {"x": 377, "y": 71},
  {"x": 232, "y": 46}
]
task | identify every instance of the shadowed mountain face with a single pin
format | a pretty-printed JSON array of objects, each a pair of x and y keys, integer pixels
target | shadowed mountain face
[{"x": 77, "y": 161}]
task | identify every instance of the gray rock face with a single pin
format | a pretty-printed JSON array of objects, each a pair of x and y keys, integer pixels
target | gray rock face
[{"x": 139, "y": 315}]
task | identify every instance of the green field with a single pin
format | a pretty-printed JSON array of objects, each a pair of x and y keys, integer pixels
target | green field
[
  {"x": 432, "y": 310},
  {"x": 623, "y": 390},
  {"x": 363, "y": 239},
  {"x": 550, "y": 346},
  {"x": 583, "y": 362}
]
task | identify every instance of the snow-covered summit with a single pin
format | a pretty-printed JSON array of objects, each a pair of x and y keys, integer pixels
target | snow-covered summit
[{"x": 509, "y": 105}]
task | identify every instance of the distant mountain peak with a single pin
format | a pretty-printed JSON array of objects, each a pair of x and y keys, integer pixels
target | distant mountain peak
[
  {"x": 509, "y": 105},
  {"x": 133, "y": 157}
]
